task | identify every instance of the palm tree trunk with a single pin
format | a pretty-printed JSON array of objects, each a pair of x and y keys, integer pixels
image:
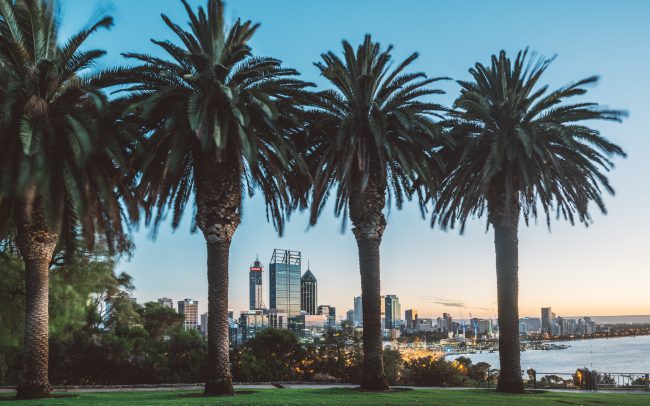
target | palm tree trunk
[
  {"x": 36, "y": 246},
  {"x": 369, "y": 223},
  {"x": 218, "y": 204},
  {"x": 506, "y": 245},
  {"x": 219, "y": 381}
]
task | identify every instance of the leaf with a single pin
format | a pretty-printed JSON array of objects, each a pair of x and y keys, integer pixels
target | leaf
[{"x": 26, "y": 135}]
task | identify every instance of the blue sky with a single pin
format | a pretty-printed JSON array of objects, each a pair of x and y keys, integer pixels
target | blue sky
[{"x": 599, "y": 270}]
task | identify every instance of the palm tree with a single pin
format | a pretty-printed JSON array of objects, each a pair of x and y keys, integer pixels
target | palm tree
[
  {"x": 520, "y": 146},
  {"x": 60, "y": 159},
  {"x": 217, "y": 122},
  {"x": 369, "y": 137}
]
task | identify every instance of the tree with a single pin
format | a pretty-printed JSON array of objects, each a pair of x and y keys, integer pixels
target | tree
[
  {"x": 217, "y": 121},
  {"x": 520, "y": 146},
  {"x": 62, "y": 159},
  {"x": 370, "y": 136},
  {"x": 159, "y": 320}
]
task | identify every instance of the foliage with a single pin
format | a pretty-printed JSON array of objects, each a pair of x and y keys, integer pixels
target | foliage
[
  {"x": 520, "y": 145},
  {"x": 430, "y": 371},
  {"x": 393, "y": 365},
  {"x": 375, "y": 121},
  {"x": 336, "y": 357},
  {"x": 62, "y": 149},
  {"x": 209, "y": 98},
  {"x": 271, "y": 355}
]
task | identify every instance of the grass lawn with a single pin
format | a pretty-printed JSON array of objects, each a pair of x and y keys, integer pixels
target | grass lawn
[{"x": 348, "y": 397}]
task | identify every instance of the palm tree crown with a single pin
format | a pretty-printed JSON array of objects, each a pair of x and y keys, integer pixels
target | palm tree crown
[
  {"x": 373, "y": 123},
  {"x": 519, "y": 141},
  {"x": 212, "y": 100},
  {"x": 60, "y": 143}
]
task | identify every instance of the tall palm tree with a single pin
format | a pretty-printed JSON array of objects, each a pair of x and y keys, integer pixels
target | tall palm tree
[
  {"x": 370, "y": 136},
  {"x": 217, "y": 121},
  {"x": 60, "y": 159},
  {"x": 521, "y": 147}
]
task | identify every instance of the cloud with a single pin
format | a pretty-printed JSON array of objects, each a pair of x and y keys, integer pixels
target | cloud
[{"x": 443, "y": 302}]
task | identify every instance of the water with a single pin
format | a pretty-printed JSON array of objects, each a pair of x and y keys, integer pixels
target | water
[{"x": 624, "y": 354}]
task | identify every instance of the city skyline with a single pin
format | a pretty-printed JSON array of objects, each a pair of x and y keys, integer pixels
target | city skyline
[{"x": 428, "y": 269}]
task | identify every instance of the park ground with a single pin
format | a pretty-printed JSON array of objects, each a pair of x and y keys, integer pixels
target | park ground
[{"x": 337, "y": 396}]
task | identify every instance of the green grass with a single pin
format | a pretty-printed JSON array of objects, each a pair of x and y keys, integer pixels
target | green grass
[{"x": 348, "y": 397}]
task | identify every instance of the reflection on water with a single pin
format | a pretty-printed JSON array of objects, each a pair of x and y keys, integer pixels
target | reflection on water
[{"x": 625, "y": 354}]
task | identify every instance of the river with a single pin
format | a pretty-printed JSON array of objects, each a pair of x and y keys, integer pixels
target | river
[{"x": 624, "y": 354}]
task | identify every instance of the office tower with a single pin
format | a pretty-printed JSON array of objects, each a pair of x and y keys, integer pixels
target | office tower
[
  {"x": 251, "y": 322},
  {"x": 255, "y": 286},
  {"x": 547, "y": 325},
  {"x": 358, "y": 311},
  {"x": 308, "y": 292},
  {"x": 309, "y": 326},
  {"x": 349, "y": 317},
  {"x": 277, "y": 318},
  {"x": 448, "y": 320},
  {"x": 189, "y": 308},
  {"x": 411, "y": 316},
  {"x": 392, "y": 312},
  {"x": 166, "y": 302},
  {"x": 204, "y": 324},
  {"x": 330, "y": 312},
  {"x": 425, "y": 325},
  {"x": 284, "y": 281},
  {"x": 332, "y": 316}
]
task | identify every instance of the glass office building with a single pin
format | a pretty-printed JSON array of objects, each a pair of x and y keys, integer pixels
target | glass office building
[
  {"x": 284, "y": 282},
  {"x": 308, "y": 292}
]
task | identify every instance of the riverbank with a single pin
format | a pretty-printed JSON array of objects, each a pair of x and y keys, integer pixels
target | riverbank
[{"x": 622, "y": 354}]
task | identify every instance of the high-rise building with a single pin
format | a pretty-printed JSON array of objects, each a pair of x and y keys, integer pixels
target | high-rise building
[
  {"x": 393, "y": 312},
  {"x": 309, "y": 326},
  {"x": 547, "y": 323},
  {"x": 411, "y": 316},
  {"x": 308, "y": 292},
  {"x": 251, "y": 322},
  {"x": 189, "y": 308},
  {"x": 330, "y": 312},
  {"x": 358, "y": 311},
  {"x": 166, "y": 302},
  {"x": 255, "y": 286},
  {"x": 349, "y": 317},
  {"x": 204, "y": 324},
  {"x": 277, "y": 318},
  {"x": 284, "y": 285}
]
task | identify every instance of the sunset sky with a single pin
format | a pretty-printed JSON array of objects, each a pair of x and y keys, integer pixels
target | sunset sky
[{"x": 603, "y": 269}]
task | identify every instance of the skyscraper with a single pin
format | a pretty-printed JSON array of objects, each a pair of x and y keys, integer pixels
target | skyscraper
[
  {"x": 349, "y": 317},
  {"x": 392, "y": 312},
  {"x": 284, "y": 281},
  {"x": 547, "y": 324},
  {"x": 255, "y": 286},
  {"x": 411, "y": 316},
  {"x": 189, "y": 308},
  {"x": 167, "y": 302},
  {"x": 308, "y": 292},
  {"x": 358, "y": 311}
]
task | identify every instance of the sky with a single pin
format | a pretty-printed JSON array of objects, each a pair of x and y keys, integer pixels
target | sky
[{"x": 602, "y": 269}]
